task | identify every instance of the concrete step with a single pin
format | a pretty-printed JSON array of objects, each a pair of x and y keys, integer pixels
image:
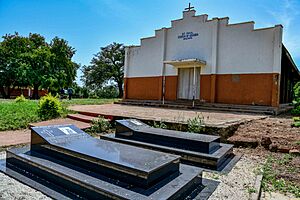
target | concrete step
[
  {"x": 95, "y": 115},
  {"x": 215, "y": 107},
  {"x": 73, "y": 181},
  {"x": 197, "y": 103},
  {"x": 82, "y": 118},
  {"x": 62, "y": 179}
]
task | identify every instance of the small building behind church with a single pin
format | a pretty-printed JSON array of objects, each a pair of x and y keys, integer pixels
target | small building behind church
[{"x": 213, "y": 61}]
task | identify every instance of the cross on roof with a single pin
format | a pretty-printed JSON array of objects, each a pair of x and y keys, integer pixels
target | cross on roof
[{"x": 189, "y": 8}]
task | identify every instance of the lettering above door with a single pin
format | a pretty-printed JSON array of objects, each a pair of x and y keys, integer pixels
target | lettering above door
[{"x": 187, "y": 35}]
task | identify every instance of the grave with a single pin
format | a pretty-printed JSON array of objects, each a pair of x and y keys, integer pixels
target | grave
[
  {"x": 64, "y": 162},
  {"x": 196, "y": 149}
]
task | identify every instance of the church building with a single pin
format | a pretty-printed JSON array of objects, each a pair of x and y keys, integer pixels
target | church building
[{"x": 213, "y": 61}]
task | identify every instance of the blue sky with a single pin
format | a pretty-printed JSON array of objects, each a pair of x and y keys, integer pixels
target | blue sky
[{"x": 91, "y": 24}]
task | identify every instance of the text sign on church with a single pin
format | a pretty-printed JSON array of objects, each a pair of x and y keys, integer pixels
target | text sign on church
[{"x": 187, "y": 35}]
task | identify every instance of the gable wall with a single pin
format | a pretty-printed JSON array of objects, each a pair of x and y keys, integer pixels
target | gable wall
[{"x": 226, "y": 48}]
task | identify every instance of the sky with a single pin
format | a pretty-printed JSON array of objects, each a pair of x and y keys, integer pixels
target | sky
[{"x": 90, "y": 24}]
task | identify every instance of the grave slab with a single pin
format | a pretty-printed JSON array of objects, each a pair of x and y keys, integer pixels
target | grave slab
[
  {"x": 136, "y": 130},
  {"x": 197, "y": 149},
  {"x": 64, "y": 162},
  {"x": 116, "y": 158}
]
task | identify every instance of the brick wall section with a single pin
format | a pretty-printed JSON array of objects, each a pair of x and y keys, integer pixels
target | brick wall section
[
  {"x": 144, "y": 88},
  {"x": 258, "y": 89},
  {"x": 18, "y": 92},
  {"x": 171, "y": 88}
]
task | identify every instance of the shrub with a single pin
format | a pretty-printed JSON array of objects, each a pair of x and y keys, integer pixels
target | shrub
[
  {"x": 93, "y": 95},
  {"x": 108, "y": 92},
  {"x": 296, "y": 119},
  {"x": 49, "y": 107},
  {"x": 160, "y": 125},
  {"x": 296, "y": 102},
  {"x": 84, "y": 92},
  {"x": 297, "y": 92},
  {"x": 196, "y": 125},
  {"x": 296, "y": 124},
  {"x": 20, "y": 99},
  {"x": 100, "y": 125},
  {"x": 296, "y": 110}
]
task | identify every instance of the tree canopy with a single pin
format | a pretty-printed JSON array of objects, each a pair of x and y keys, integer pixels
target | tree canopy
[
  {"x": 32, "y": 62},
  {"x": 106, "y": 68}
]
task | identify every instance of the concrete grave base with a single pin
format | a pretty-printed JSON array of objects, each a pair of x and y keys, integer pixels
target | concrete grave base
[
  {"x": 64, "y": 162},
  {"x": 60, "y": 180}
]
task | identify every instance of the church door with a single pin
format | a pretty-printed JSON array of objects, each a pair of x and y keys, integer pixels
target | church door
[{"x": 189, "y": 83}]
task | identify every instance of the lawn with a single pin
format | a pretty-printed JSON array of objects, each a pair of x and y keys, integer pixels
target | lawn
[
  {"x": 67, "y": 103},
  {"x": 18, "y": 115}
]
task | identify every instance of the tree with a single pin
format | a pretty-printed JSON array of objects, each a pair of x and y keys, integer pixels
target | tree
[
  {"x": 11, "y": 50},
  {"x": 106, "y": 67},
  {"x": 63, "y": 69},
  {"x": 31, "y": 61},
  {"x": 38, "y": 68},
  {"x": 36, "y": 63}
]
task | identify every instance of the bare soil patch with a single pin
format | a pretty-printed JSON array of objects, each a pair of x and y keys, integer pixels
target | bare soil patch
[
  {"x": 273, "y": 133},
  {"x": 281, "y": 172}
]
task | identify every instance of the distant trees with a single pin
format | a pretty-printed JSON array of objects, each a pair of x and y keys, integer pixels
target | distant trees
[
  {"x": 32, "y": 62},
  {"x": 11, "y": 50},
  {"x": 106, "y": 68}
]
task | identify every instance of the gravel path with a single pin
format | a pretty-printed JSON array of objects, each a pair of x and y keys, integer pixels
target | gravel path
[
  {"x": 12, "y": 189},
  {"x": 239, "y": 181}
]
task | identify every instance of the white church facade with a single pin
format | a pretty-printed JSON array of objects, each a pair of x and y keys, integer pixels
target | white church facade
[{"x": 210, "y": 60}]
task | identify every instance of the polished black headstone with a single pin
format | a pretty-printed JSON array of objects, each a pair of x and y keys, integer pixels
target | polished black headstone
[
  {"x": 118, "y": 159},
  {"x": 64, "y": 162},
  {"x": 136, "y": 130}
]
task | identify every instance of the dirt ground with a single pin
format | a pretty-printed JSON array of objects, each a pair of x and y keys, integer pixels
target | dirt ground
[
  {"x": 273, "y": 133},
  {"x": 168, "y": 115}
]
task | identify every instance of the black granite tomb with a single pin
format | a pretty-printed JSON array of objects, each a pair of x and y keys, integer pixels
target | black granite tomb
[
  {"x": 196, "y": 149},
  {"x": 66, "y": 163}
]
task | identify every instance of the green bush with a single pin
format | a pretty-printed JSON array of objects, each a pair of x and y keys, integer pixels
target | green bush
[
  {"x": 160, "y": 125},
  {"x": 296, "y": 110},
  {"x": 297, "y": 92},
  {"x": 296, "y": 119},
  {"x": 84, "y": 92},
  {"x": 93, "y": 95},
  {"x": 49, "y": 107},
  {"x": 20, "y": 99},
  {"x": 196, "y": 125},
  {"x": 100, "y": 125},
  {"x": 108, "y": 92},
  {"x": 296, "y": 102},
  {"x": 296, "y": 122}
]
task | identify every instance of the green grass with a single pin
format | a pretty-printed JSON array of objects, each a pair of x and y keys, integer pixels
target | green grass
[
  {"x": 19, "y": 115},
  {"x": 273, "y": 172},
  {"x": 66, "y": 102},
  {"x": 251, "y": 190}
]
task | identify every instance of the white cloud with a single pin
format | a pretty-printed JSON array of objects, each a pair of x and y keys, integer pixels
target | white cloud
[{"x": 287, "y": 15}]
